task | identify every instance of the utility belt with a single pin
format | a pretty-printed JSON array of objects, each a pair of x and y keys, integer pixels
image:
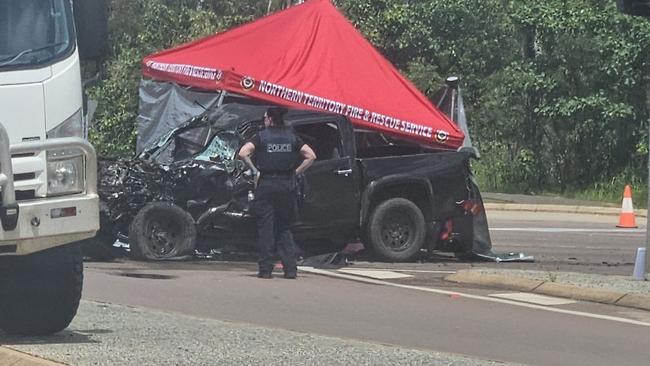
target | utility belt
[
  {"x": 295, "y": 183},
  {"x": 278, "y": 174}
]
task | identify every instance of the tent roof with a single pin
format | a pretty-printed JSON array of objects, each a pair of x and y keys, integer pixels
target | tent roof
[{"x": 309, "y": 56}]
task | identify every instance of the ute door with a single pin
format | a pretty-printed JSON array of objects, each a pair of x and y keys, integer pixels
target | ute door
[{"x": 331, "y": 195}]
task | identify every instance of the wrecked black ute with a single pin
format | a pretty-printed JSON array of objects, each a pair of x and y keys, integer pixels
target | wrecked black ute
[{"x": 188, "y": 191}]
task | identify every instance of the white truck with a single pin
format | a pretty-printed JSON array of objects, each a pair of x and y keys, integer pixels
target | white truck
[{"x": 48, "y": 171}]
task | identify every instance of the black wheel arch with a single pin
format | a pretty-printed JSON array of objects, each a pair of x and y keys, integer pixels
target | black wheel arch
[{"x": 416, "y": 189}]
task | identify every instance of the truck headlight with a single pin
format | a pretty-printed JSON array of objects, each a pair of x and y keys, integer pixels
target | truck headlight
[
  {"x": 65, "y": 166},
  {"x": 64, "y": 175}
]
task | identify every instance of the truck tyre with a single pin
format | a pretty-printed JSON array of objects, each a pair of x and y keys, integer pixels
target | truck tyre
[
  {"x": 396, "y": 230},
  {"x": 40, "y": 293},
  {"x": 162, "y": 231}
]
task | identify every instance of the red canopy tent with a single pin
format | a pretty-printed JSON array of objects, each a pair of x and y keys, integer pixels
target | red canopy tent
[{"x": 309, "y": 56}]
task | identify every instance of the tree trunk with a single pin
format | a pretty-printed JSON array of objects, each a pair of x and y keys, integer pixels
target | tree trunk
[
  {"x": 531, "y": 135},
  {"x": 282, "y": 4}
]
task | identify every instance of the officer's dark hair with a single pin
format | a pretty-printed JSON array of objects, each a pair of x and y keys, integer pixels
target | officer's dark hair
[{"x": 276, "y": 114}]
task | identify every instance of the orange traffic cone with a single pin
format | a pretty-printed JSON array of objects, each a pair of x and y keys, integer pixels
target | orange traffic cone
[{"x": 626, "y": 220}]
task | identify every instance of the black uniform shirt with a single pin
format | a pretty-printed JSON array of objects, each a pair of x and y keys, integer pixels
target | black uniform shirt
[
  {"x": 255, "y": 140},
  {"x": 277, "y": 165}
]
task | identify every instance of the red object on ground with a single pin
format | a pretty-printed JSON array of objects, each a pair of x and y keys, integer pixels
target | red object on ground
[
  {"x": 447, "y": 230},
  {"x": 310, "y": 57}
]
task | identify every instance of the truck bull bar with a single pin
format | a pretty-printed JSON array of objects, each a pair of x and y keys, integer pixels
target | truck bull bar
[{"x": 9, "y": 209}]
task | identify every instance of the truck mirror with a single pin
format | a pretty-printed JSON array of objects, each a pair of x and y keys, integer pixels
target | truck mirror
[
  {"x": 91, "y": 21},
  {"x": 634, "y": 7}
]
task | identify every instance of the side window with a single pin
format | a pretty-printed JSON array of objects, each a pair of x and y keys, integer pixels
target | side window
[{"x": 324, "y": 138}]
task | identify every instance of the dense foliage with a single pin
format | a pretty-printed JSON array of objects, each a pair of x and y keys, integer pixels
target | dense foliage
[{"x": 556, "y": 90}]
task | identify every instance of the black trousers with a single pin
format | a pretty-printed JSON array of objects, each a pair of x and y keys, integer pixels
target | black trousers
[{"x": 275, "y": 209}]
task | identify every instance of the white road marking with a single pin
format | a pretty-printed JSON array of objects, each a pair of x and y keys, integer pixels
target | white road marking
[
  {"x": 554, "y": 246},
  {"x": 473, "y": 297},
  {"x": 407, "y": 270},
  {"x": 638, "y": 314},
  {"x": 566, "y": 230},
  {"x": 372, "y": 273},
  {"x": 534, "y": 298}
]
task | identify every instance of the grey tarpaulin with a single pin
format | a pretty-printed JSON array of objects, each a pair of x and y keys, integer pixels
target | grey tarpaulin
[
  {"x": 482, "y": 242},
  {"x": 450, "y": 101},
  {"x": 462, "y": 123},
  {"x": 164, "y": 106}
]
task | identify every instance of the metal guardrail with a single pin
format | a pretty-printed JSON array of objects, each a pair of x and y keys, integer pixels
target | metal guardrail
[{"x": 36, "y": 147}]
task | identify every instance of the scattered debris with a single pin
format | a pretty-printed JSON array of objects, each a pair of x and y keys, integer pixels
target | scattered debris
[
  {"x": 505, "y": 257},
  {"x": 325, "y": 261}
]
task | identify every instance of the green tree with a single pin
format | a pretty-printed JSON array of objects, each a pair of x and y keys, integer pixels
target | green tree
[{"x": 159, "y": 24}]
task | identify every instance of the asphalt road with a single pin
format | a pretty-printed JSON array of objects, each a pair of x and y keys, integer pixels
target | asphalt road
[
  {"x": 558, "y": 241},
  {"x": 379, "y": 314},
  {"x": 415, "y": 324},
  {"x": 567, "y": 242}
]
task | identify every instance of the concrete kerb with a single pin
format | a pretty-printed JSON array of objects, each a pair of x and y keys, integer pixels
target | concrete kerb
[
  {"x": 11, "y": 357},
  {"x": 593, "y": 210},
  {"x": 632, "y": 300}
]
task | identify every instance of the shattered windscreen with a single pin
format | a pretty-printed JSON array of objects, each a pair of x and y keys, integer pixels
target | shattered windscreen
[
  {"x": 215, "y": 135},
  {"x": 222, "y": 148}
]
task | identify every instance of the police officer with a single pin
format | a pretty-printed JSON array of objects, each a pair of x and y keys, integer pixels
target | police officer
[{"x": 277, "y": 153}]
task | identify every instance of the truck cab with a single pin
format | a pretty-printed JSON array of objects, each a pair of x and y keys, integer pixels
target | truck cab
[
  {"x": 48, "y": 171},
  {"x": 41, "y": 93}
]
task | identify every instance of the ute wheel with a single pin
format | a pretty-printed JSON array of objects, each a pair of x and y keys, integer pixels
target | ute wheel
[
  {"x": 396, "y": 230},
  {"x": 162, "y": 231},
  {"x": 40, "y": 293}
]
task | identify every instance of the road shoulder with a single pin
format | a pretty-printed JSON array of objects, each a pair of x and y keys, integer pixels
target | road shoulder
[
  {"x": 12, "y": 357},
  {"x": 613, "y": 290}
]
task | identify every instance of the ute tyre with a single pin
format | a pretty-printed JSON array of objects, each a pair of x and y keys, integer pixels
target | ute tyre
[
  {"x": 396, "y": 230},
  {"x": 40, "y": 293},
  {"x": 162, "y": 231}
]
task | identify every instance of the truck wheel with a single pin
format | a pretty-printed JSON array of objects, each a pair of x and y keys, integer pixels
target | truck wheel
[
  {"x": 162, "y": 231},
  {"x": 396, "y": 229},
  {"x": 40, "y": 293}
]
